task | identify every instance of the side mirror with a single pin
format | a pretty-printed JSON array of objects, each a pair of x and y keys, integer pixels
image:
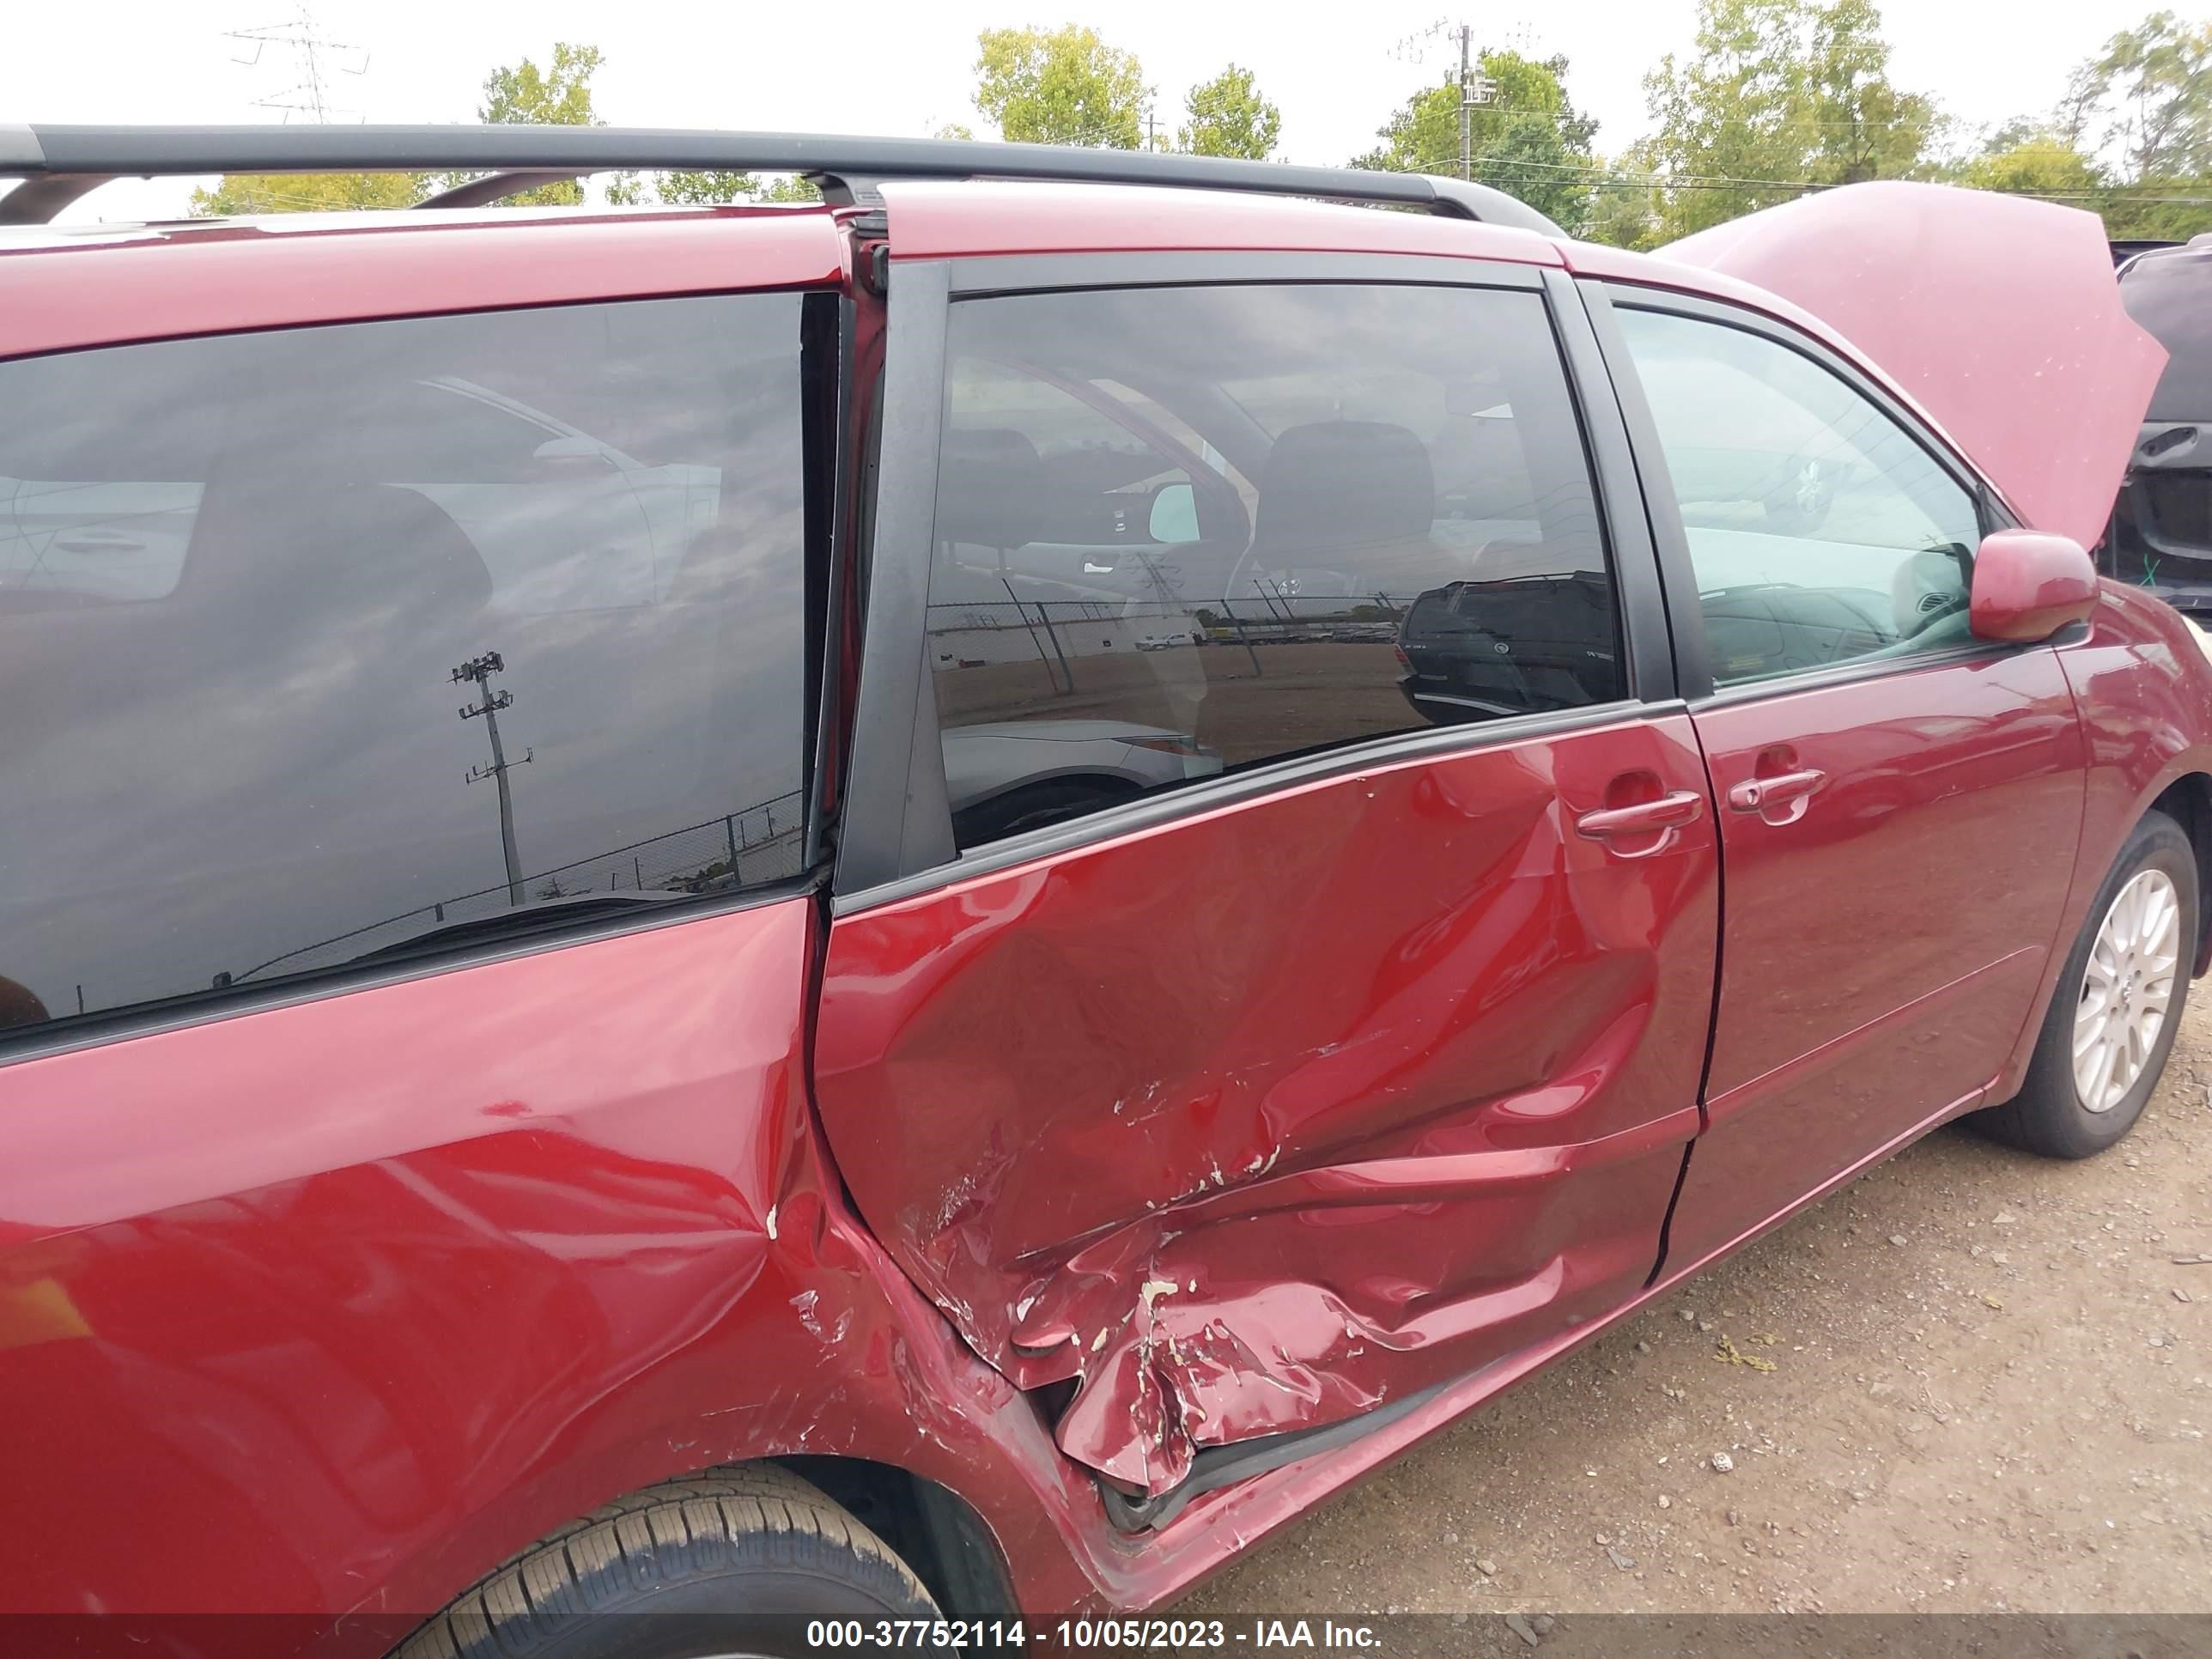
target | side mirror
[
  {"x": 1173, "y": 517},
  {"x": 2028, "y": 584},
  {"x": 572, "y": 449}
]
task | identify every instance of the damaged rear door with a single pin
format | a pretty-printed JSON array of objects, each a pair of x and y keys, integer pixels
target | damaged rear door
[{"x": 1309, "y": 1027}]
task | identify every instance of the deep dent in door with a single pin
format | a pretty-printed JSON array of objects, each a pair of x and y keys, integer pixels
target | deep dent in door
[{"x": 1251, "y": 1122}]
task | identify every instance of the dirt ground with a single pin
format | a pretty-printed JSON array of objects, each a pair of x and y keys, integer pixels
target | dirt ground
[{"x": 1990, "y": 1393}]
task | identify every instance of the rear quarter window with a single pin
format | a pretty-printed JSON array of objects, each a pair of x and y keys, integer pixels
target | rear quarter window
[{"x": 264, "y": 598}]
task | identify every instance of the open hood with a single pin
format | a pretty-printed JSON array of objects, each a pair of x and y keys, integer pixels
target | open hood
[{"x": 1998, "y": 315}]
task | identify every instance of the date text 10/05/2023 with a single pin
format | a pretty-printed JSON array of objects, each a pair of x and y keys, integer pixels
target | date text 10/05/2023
[{"x": 1173, "y": 1634}]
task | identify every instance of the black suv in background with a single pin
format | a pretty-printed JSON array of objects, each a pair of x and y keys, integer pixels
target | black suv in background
[{"x": 2161, "y": 533}]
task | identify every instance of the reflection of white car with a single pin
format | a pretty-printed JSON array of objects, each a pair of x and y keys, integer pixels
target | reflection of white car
[
  {"x": 589, "y": 527},
  {"x": 1019, "y": 775},
  {"x": 105, "y": 541},
  {"x": 564, "y": 521}
]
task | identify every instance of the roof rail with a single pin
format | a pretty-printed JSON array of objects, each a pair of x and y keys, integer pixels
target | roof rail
[{"x": 59, "y": 164}]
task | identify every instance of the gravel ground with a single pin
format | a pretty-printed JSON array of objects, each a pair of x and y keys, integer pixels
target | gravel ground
[{"x": 1971, "y": 1382}]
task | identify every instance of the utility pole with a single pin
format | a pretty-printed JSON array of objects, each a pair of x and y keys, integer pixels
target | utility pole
[
  {"x": 1476, "y": 89},
  {"x": 311, "y": 97},
  {"x": 1466, "y": 110},
  {"x": 478, "y": 671}
]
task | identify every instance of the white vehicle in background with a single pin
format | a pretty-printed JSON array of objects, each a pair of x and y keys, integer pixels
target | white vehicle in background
[
  {"x": 622, "y": 527},
  {"x": 1020, "y": 774}
]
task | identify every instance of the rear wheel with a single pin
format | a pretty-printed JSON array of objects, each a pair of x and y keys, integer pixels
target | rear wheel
[
  {"x": 2116, "y": 1005},
  {"x": 734, "y": 1561}
]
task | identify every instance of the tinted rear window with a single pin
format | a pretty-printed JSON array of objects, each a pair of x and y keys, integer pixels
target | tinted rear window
[{"x": 239, "y": 575}]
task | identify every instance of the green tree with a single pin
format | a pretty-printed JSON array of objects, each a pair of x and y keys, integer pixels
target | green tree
[
  {"x": 1779, "y": 95},
  {"x": 2143, "y": 104},
  {"x": 1063, "y": 86},
  {"x": 308, "y": 193},
  {"x": 2164, "y": 210},
  {"x": 523, "y": 95},
  {"x": 1228, "y": 117},
  {"x": 1529, "y": 141},
  {"x": 2153, "y": 86},
  {"x": 692, "y": 188},
  {"x": 1624, "y": 208},
  {"x": 2033, "y": 164}
]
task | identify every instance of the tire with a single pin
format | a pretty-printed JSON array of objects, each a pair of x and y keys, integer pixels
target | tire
[
  {"x": 756, "y": 1541},
  {"x": 2051, "y": 1114}
]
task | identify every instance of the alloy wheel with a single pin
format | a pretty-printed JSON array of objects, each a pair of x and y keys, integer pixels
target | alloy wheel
[{"x": 2127, "y": 989}]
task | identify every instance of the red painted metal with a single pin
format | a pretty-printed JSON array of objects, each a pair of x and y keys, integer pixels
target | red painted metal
[
  {"x": 934, "y": 221},
  {"x": 1879, "y": 956},
  {"x": 1999, "y": 314},
  {"x": 63, "y": 292},
  {"x": 2145, "y": 690},
  {"x": 1295, "y": 1108},
  {"x": 2028, "y": 584},
  {"x": 353, "y": 1298},
  {"x": 331, "y": 1307}
]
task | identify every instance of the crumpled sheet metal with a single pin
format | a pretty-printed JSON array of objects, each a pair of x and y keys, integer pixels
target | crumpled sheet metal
[{"x": 1128, "y": 1123}]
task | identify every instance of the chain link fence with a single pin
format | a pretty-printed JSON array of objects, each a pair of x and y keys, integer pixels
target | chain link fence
[{"x": 750, "y": 847}]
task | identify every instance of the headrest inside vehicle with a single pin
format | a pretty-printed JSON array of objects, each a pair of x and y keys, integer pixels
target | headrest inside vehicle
[{"x": 1344, "y": 484}]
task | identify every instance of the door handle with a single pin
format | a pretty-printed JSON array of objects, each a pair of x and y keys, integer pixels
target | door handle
[
  {"x": 1762, "y": 795},
  {"x": 1646, "y": 818}
]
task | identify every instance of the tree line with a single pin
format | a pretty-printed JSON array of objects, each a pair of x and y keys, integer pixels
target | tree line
[{"x": 1775, "y": 98}]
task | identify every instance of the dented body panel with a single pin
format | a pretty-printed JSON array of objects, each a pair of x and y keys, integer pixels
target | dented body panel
[
  {"x": 1272, "y": 1130},
  {"x": 371, "y": 1291},
  {"x": 1368, "y": 1086}
]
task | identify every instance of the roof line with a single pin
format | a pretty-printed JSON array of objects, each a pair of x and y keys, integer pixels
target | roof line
[{"x": 853, "y": 166}]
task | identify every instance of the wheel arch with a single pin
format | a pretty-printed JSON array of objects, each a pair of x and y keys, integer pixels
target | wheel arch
[
  {"x": 938, "y": 1532},
  {"x": 2188, "y": 800}
]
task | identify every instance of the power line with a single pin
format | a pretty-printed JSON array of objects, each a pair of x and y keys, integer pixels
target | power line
[
  {"x": 309, "y": 97},
  {"x": 1616, "y": 178}
]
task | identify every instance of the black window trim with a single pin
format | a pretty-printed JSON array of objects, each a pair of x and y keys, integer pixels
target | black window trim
[
  {"x": 976, "y": 276},
  {"x": 70, "y": 1032},
  {"x": 1671, "y": 541},
  {"x": 895, "y": 840},
  {"x": 97, "y": 1030}
]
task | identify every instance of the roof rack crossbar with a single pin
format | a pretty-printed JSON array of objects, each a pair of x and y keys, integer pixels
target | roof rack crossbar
[
  {"x": 35, "y": 201},
  {"x": 41, "y": 153},
  {"x": 498, "y": 186}
]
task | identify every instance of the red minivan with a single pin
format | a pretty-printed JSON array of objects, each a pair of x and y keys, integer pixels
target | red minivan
[{"x": 725, "y": 928}]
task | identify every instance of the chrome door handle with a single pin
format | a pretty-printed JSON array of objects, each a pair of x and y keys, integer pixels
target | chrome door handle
[
  {"x": 1758, "y": 794},
  {"x": 1646, "y": 818}
]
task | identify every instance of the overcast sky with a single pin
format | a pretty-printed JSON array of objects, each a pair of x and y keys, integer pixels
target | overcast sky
[{"x": 867, "y": 67}]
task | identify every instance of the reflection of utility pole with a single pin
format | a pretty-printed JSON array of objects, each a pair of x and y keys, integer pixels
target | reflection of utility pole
[
  {"x": 479, "y": 670},
  {"x": 1023, "y": 611}
]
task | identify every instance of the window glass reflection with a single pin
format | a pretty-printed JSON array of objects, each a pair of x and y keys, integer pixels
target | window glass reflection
[
  {"x": 335, "y": 644},
  {"x": 1183, "y": 531}
]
